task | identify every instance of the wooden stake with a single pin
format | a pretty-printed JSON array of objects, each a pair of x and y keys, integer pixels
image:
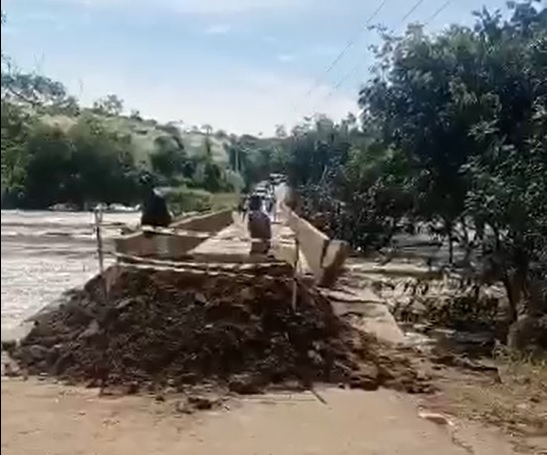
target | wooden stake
[
  {"x": 98, "y": 220},
  {"x": 102, "y": 370}
]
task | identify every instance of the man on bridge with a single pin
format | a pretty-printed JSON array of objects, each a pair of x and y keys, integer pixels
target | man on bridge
[{"x": 259, "y": 226}]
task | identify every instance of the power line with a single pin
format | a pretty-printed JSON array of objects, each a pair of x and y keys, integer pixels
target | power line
[
  {"x": 401, "y": 22},
  {"x": 439, "y": 11},
  {"x": 346, "y": 47},
  {"x": 411, "y": 10}
]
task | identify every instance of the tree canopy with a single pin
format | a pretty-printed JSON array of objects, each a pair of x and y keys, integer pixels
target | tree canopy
[{"x": 453, "y": 136}]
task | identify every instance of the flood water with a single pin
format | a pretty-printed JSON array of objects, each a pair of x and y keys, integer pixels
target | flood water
[{"x": 46, "y": 253}]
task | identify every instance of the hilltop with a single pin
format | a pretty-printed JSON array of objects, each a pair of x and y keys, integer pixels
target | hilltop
[{"x": 145, "y": 132}]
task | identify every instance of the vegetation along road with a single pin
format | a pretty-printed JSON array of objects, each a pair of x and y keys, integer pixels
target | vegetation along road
[{"x": 439, "y": 188}]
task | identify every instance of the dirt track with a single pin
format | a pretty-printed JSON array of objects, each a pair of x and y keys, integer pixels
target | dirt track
[{"x": 40, "y": 418}]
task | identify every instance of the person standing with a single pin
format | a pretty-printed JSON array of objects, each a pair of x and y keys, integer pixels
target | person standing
[
  {"x": 259, "y": 226},
  {"x": 242, "y": 206},
  {"x": 274, "y": 207},
  {"x": 269, "y": 205},
  {"x": 155, "y": 212}
]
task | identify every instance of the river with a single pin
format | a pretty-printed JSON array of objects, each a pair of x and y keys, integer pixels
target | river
[{"x": 45, "y": 253}]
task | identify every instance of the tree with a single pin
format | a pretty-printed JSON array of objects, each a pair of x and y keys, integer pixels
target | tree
[
  {"x": 169, "y": 159},
  {"x": 280, "y": 131},
  {"x": 110, "y": 105},
  {"x": 466, "y": 108}
]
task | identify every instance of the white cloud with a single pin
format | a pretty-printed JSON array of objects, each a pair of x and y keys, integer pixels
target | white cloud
[{"x": 218, "y": 29}]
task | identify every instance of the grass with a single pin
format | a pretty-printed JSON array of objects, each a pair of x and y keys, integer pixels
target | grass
[
  {"x": 184, "y": 200},
  {"x": 221, "y": 201}
]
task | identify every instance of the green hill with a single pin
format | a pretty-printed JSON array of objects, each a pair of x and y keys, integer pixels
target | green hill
[{"x": 145, "y": 132}]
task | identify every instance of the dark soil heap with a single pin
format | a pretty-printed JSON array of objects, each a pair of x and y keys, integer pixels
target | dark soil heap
[{"x": 167, "y": 327}]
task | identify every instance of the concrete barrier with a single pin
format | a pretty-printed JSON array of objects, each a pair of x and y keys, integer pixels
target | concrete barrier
[
  {"x": 161, "y": 244},
  {"x": 209, "y": 222},
  {"x": 325, "y": 257},
  {"x": 173, "y": 242}
]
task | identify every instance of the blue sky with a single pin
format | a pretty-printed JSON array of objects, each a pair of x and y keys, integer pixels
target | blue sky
[{"x": 239, "y": 65}]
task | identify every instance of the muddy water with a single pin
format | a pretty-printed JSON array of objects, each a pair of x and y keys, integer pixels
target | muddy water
[{"x": 46, "y": 253}]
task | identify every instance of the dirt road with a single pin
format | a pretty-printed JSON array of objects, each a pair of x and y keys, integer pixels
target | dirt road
[{"x": 42, "y": 418}]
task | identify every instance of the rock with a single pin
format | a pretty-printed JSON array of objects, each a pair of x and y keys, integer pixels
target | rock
[
  {"x": 93, "y": 329},
  {"x": 364, "y": 383},
  {"x": 9, "y": 346},
  {"x": 184, "y": 407},
  {"x": 202, "y": 402},
  {"x": 245, "y": 384},
  {"x": 62, "y": 363},
  {"x": 315, "y": 357},
  {"x": 11, "y": 370},
  {"x": 528, "y": 333},
  {"x": 133, "y": 388},
  {"x": 93, "y": 384},
  {"x": 246, "y": 294},
  {"x": 188, "y": 378},
  {"x": 43, "y": 367},
  {"x": 54, "y": 354},
  {"x": 37, "y": 353},
  {"x": 123, "y": 304},
  {"x": 200, "y": 299},
  {"x": 365, "y": 378}
]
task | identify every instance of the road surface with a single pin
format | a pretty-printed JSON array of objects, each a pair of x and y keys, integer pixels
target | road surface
[{"x": 49, "y": 419}]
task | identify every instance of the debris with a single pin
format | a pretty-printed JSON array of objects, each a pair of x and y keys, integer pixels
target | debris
[
  {"x": 184, "y": 407},
  {"x": 11, "y": 370},
  {"x": 9, "y": 346},
  {"x": 202, "y": 402},
  {"x": 92, "y": 330},
  {"x": 245, "y": 384},
  {"x": 439, "y": 419},
  {"x": 37, "y": 352},
  {"x": 188, "y": 328}
]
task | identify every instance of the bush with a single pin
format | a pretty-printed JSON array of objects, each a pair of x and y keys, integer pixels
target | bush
[{"x": 183, "y": 200}]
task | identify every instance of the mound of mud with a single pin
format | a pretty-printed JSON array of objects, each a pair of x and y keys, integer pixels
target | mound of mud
[{"x": 178, "y": 328}]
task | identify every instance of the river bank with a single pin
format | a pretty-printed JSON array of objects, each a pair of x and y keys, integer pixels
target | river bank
[{"x": 45, "y": 253}]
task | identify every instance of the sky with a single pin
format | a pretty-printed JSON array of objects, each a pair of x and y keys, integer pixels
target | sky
[{"x": 243, "y": 66}]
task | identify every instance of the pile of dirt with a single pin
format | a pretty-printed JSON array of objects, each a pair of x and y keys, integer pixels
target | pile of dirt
[{"x": 178, "y": 328}]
